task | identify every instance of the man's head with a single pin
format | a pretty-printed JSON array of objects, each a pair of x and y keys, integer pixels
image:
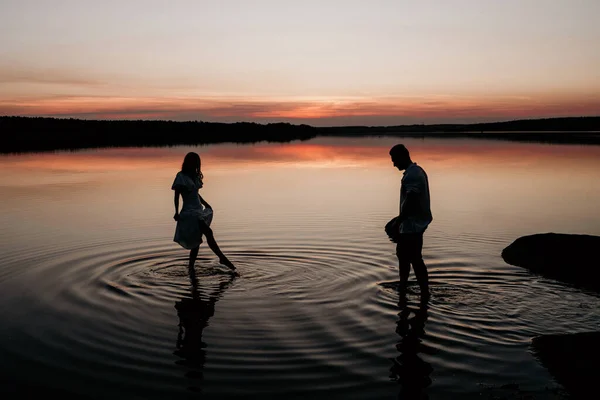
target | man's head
[{"x": 400, "y": 156}]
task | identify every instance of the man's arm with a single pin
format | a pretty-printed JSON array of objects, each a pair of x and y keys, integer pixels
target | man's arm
[
  {"x": 413, "y": 185},
  {"x": 410, "y": 206}
]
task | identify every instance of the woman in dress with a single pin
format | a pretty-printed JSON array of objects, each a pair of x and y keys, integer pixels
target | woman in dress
[{"x": 196, "y": 214}]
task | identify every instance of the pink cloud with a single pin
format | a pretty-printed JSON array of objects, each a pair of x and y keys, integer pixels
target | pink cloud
[{"x": 317, "y": 112}]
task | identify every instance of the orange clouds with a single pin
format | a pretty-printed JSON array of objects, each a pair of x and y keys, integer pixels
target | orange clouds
[{"x": 316, "y": 111}]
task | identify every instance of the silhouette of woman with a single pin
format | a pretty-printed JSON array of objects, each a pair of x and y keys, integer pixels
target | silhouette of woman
[{"x": 196, "y": 214}]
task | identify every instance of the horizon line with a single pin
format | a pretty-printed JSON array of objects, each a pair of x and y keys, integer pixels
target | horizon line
[{"x": 302, "y": 124}]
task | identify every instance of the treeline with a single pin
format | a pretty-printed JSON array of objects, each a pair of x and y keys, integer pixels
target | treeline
[
  {"x": 21, "y": 134},
  {"x": 582, "y": 130},
  {"x": 568, "y": 124},
  {"x": 25, "y": 134}
]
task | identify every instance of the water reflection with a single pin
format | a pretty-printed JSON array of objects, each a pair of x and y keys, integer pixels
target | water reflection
[
  {"x": 94, "y": 229},
  {"x": 194, "y": 314},
  {"x": 434, "y": 152},
  {"x": 408, "y": 369}
]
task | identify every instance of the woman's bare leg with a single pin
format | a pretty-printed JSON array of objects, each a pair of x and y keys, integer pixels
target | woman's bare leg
[
  {"x": 212, "y": 243},
  {"x": 193, "y": 256}
]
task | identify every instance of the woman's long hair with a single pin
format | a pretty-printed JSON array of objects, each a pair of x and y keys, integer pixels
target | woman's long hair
[{"x": 191, "y": 166}]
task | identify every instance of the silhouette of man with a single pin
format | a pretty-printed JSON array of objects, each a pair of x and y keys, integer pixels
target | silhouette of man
[{"x": 415, "y": 216}]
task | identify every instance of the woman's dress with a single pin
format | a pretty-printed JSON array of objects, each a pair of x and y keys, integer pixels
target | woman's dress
[{"x": 187, "y": 232}]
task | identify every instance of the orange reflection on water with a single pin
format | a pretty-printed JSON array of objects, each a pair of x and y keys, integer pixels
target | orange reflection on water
[
  {"x": 468, "y": 177},
  {"x": 321, "y": 152}
]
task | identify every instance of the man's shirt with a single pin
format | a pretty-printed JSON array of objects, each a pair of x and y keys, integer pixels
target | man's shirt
[{"x": 415, "y": 181}]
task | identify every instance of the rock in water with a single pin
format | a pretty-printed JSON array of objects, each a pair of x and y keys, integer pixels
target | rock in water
[{"x": 570, "y": 258}]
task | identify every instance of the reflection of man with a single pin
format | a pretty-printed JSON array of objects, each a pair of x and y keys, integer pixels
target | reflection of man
[
  {"x": 415, "y": 216},
  {"x": 408, "y": 369}
]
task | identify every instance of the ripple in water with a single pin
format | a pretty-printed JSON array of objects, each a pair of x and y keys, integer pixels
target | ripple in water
[
  {"x": 304, "y": 318},
  {"x": 92, "y": 312}
]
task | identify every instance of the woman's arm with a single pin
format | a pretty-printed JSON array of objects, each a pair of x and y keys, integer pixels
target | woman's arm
[
  {"x": 204, "y": 202},
  {"x": 176, "y": 200}
]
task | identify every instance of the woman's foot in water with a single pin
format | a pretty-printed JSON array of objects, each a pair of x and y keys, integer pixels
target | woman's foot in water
[{"x": 225, "y": 261}]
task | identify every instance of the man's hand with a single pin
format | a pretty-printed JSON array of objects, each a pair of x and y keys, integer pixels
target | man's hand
[
  {"x": 391, "y": 223},
  {"x": 392, "y": 228}
]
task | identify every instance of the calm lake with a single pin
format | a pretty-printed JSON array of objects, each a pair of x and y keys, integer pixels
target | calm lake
[{"x": 97, "y": 300}]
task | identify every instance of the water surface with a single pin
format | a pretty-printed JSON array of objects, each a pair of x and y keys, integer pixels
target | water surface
[{"x": 98, "y": 301}]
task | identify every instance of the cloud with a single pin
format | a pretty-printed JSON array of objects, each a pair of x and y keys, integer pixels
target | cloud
[
  {"x": 318, "y": 111},
  {"x": 10, "y": 74}
]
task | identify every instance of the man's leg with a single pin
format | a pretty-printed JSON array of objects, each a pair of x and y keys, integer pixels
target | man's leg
[
  {"x": 403, "y": 254},
  {"x": 418, "y": 264}
]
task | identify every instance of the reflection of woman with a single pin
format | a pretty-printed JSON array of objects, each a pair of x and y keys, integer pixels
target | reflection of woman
[
  {"x": 194, "y": 314},
  {"x": 193, "y": 318},
  {"x": 196, "y": 214}
]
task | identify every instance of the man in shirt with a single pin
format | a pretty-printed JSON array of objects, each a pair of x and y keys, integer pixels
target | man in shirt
[{"x": 414, "y": 218}]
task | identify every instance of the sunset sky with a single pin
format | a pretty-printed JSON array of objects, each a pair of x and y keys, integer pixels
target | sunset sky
[{"x": 326, "y": 62}]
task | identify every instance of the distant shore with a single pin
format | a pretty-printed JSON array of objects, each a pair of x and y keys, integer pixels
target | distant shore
[{"x": 34, "y": 134}]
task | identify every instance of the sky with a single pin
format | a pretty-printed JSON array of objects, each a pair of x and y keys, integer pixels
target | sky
[{"x": 323, "y": 62}]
